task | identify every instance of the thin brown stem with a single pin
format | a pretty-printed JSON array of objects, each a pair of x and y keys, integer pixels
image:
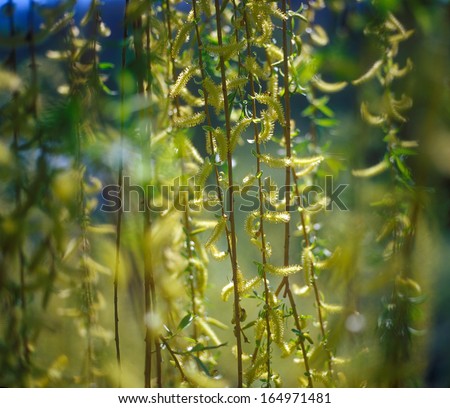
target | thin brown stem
[
  {"x": 120, "y": 184},
  {"x": 312, "y": 278},
  {"x": 287, "y": 185},
  {"x": 147, "y": 221},
  {"x": 233, "y": 255},
  {"x": 261, "y": 205},
  {"x": 18, "y": 193},
  {"x": 208, "y": 118},
  {"x": 175, "y": 359}
]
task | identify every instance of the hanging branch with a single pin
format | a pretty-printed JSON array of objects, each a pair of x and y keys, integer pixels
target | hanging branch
[
  {"x": 120, "y": 184},
  {"x": 233, "y": 254},
  {"x": 149, "y": 290},
  {"x": 287, "y": 186},
  {"x": 261, "y": 207}
]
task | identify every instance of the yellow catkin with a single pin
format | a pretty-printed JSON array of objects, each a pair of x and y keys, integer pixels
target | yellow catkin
[
  {"x": 370, "y": 118},
  {"x": 276, "y": 217},
  {"x": 268, "y": 126},
  {"x": 328, "y": 87},
  {"x": 182, "y": 80},
  {"x": 203, "y": 174},
  {"x": 307, "y": 264},
  {"x": 252, "y": 66},
  {"x": 181, "y": 37},
  {"x": 282, "y": 270},
  {"x": 372, "y": 171},
  {"x": 274, "y": 104},
  {"x": 237, "y": 131},
  {"x": 217, "y": 231},
  {"x": 189, "y": 121},
  {"x": 319, "y": 36},
  {"x": 276, "y": 325},
  {"x": 221, "y": 143},
  {"x": 371, "y": 73}
]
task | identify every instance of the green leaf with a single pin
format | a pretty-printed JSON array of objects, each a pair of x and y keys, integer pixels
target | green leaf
[
  {"x": 325, "y": 122},
  {"x": 202, "y": 365},
  {"x": 106, "y": 65},
  {"x": 185, "y": 321},
  {"x": 201, "y": 347}
]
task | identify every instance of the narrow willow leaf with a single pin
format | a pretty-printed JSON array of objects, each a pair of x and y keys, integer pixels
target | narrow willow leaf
[
  {"x": 327, "y": 87},
  {"x": 273, "y": 104},
  {"x": 371, "y": 119},
  {"x": 237, "y": 131},
  {"x": 372, "y": 171},
  {"x": 319, "y": 36},
  {"x": 283, "y": 270},
  {"x": 217, "y": 231},
  {"x": 181, "y": 38},
  {"x": 371, "y": 73},
  {"x": 189, "y": 121},
  {"x": 182, "y": 80},
  {"x": 185, "y": 322}
]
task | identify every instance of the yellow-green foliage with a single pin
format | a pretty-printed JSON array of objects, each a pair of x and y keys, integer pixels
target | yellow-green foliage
[{"x": 228, "y": 95}]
